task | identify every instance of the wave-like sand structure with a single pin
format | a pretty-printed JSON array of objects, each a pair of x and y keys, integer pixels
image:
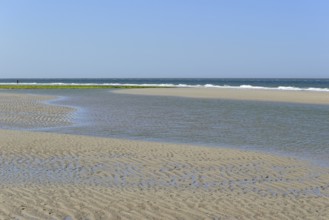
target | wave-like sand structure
[
  {"x": 57, "y": 176},
  {"x": 53, "y": 176},
  {"x": 31, "y": 111}
]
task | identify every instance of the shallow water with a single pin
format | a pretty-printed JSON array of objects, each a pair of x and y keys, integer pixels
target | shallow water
[{"x": 293, "y": 129}]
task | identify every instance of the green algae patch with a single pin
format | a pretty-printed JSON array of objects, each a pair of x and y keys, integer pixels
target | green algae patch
[{"x": 72, "y": 87}]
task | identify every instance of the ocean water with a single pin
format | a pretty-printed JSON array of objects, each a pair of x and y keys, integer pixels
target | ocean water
[
  {"x": 300, "y": 130},
  {"x": 282, "y": 84}
]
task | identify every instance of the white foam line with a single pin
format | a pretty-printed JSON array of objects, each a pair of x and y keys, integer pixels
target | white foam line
[{"x": 287, "y": 88}]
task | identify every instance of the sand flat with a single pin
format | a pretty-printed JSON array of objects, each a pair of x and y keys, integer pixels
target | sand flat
[
  {"x": 32, "y": 111},
  {"x": 310, "y": 97},
  {"x": 53, "y": 176},
  {"x": 57, "y": 176}
]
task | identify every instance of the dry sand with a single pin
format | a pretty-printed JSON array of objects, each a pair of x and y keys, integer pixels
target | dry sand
[
  {"x": 56, "y": 176},
  {"x": 310, "y": 97}
]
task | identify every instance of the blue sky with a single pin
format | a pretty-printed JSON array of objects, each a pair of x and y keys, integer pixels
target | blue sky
[{"x": 169, "y": 38}]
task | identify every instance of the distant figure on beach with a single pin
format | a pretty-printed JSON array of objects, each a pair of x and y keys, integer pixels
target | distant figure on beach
[{"x": 17, "y": 81}]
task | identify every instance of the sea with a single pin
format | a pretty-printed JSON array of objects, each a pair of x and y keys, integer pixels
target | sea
[
  {"x": 290, "y": 129},
  {"x": 255, "y": 83}
]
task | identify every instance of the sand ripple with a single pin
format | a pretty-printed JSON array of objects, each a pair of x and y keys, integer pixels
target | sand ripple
[
  {"x": 49, "y": 176},
  {"x": 31, "y": 111}
]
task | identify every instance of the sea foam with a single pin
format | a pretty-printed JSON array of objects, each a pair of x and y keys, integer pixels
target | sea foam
[{"x": 286, "y": 88}]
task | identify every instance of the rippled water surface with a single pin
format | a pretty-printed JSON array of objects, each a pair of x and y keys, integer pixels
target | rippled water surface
[{"x": 294, "y": 129}]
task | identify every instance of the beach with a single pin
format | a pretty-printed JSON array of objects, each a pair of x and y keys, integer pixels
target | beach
[{"x": 59, "y": 176}]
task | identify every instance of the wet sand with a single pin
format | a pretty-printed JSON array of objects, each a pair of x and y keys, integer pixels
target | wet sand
[
  {"x": 57, "y": 176},
  {"x": 32, "y": 111},
  {"x": 310, "y": 97},
  {"x": 53, "y": 176}
]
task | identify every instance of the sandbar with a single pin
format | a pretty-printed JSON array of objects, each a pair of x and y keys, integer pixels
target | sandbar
[{"x": 307, "y": 97}]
